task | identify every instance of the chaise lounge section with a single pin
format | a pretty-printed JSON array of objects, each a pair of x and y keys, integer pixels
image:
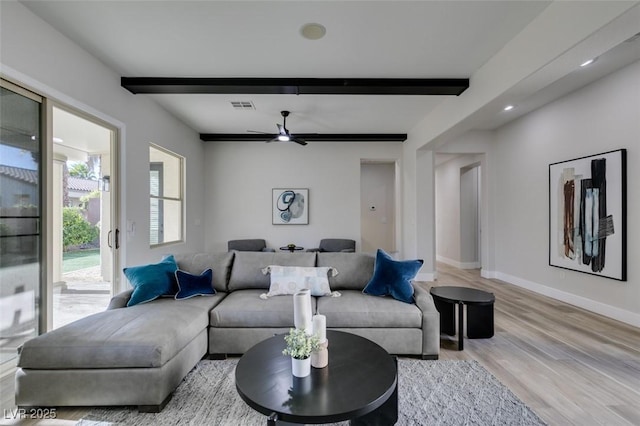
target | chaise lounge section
[{"x": 133, "y": 355}]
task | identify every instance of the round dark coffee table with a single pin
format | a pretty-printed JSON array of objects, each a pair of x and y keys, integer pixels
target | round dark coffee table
[
  {"x": 359, "y": 383},
  {"x": 479, "y": 311}
]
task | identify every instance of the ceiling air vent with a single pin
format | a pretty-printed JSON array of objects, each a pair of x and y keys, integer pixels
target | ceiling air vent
[{"x": 242, "y": 105}]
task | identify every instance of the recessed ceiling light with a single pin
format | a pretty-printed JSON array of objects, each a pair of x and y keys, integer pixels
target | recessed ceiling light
[
  {"x": 509, "y": 107},
  {"x": 588, "y": 62},
  {"x": 313, "y": 31}
]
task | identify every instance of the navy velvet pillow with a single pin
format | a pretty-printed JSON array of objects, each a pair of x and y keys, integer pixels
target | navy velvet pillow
[
  {"x": 152, "y": 281},
  {"x": 393, "y": 277},
  {"x": 194, "y": 285}
]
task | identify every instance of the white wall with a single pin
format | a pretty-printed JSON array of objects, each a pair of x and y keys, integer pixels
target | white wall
[
  {"x": 36, "y": 55},
  {"x": 239, "y": 178},
  {"x": 603, "y": 116}
]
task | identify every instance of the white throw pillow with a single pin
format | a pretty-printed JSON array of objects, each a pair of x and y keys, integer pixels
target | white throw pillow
[{"x": 291, "y": 279}]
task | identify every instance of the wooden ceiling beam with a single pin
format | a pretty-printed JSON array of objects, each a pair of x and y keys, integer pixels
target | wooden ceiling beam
[{"x": 297, "y": 86}]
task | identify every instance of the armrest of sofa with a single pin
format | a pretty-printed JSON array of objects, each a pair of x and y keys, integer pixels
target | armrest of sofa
[
  {"x": 430, "y": 322},
  {"x": 120, "y": 300}
]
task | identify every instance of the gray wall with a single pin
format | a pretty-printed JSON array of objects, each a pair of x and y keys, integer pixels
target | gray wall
[
  {"x": 598, "y": 118},
  {"x": 239, "y": 178},
  {"x": 602, "y": 117}
]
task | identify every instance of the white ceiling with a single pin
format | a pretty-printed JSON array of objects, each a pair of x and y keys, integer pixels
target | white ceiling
[
  {"x": 76, "y": 137},
  {"x": 364, "y": 39}
]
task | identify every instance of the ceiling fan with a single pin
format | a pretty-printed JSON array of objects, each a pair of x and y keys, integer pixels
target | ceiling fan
[{"x": 283, "y": 134}]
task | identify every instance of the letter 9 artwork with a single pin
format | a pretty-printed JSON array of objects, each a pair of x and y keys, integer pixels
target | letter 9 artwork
[{"x": 587, "y": 214}]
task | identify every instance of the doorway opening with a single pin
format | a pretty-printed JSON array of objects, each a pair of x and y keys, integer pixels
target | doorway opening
[
  {"x": 82, "y": 204},
  {"x": 470, "y": 202},
  {"x": 458, "y": 180},
  {"x": 378, "y": 189}
]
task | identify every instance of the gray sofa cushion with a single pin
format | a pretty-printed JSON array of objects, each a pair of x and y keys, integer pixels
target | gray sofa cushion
[
  {"x": 195, "y": 263},
  {"x": 245, "y": 308},
  {"x": 120, "y": 300},
  {"x": 354, "y": 269},
  {"x": 247, "y": 267},
  {"x": 357, "y": 310},
  {"x": 146, "y": 335}
]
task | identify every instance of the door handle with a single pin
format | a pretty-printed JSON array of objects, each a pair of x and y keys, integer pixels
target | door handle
[
  {"x": 109, "y": 239},
  {"x": 117, "y": 239}
]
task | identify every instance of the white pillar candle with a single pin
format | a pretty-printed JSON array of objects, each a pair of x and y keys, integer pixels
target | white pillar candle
[{"x": 320, "y": 327}]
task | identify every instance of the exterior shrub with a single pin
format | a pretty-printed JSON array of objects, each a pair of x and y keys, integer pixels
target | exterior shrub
[{"x": 76, "y": 230}]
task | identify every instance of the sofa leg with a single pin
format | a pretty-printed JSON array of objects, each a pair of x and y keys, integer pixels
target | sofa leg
[
  {"x": 217, "y": 356},
  {"x": 431, "y": 357},
  {"x": 154, "y": 408}
]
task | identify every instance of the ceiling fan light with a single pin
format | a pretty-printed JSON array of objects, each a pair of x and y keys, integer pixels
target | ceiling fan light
[{"x": 283, "y": 138}]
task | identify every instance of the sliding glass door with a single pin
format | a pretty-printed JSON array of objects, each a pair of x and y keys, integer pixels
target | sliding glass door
[{"x": 21, "y": 259}]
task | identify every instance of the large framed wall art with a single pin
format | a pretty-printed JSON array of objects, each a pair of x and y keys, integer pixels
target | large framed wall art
[
  {"x": 587, "y": 214},
  {"x": 290, "y": 206}
]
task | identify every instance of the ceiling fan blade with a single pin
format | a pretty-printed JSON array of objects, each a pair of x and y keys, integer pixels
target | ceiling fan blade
[
  {"x": 262, "y": 133},
  {"x": 299, "y": 141},
  {"x": 282, "y": 130}
]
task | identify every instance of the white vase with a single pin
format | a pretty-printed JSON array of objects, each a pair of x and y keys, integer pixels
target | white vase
[{"x": 301, "y": 367}]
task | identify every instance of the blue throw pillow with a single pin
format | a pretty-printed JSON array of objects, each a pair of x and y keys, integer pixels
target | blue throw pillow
[
  {"x": 194, "y": 285},
  {"x": 152, "y": 281},
  {"x": 393, "y": 277}
]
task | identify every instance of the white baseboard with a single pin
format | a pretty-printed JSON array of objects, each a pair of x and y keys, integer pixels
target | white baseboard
[
  {"x": 618, "y": 314},
  {"x": 456, "y": 264},
  {"x": 488, "y": 274}
]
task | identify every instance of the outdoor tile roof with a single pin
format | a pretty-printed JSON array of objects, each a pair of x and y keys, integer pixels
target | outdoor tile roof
[
  {"x": 31, "y": 176},
  {"x": 25, "y": 175},
  {"x": 79, "y": 184}
]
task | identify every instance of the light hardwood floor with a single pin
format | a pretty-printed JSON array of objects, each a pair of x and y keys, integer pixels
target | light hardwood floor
[{"x": 572, "y": 367}]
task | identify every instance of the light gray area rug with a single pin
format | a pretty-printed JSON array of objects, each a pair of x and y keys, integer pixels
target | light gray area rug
[{"x": 430, "y": 393}]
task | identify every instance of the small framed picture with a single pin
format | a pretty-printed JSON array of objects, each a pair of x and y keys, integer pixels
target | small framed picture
[{"x": 290, "y": 206}]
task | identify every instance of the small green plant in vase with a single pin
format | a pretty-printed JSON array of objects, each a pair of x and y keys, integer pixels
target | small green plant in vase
[{"x": 299, "y": 347}]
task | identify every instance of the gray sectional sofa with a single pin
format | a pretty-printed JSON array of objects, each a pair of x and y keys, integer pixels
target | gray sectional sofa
[{"x": 138, "y": 355}]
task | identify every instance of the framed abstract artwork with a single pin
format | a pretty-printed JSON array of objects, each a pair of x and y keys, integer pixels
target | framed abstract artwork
[
  {"x": 587, "y": 214},
  {"x": 290, "y": 206}
]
